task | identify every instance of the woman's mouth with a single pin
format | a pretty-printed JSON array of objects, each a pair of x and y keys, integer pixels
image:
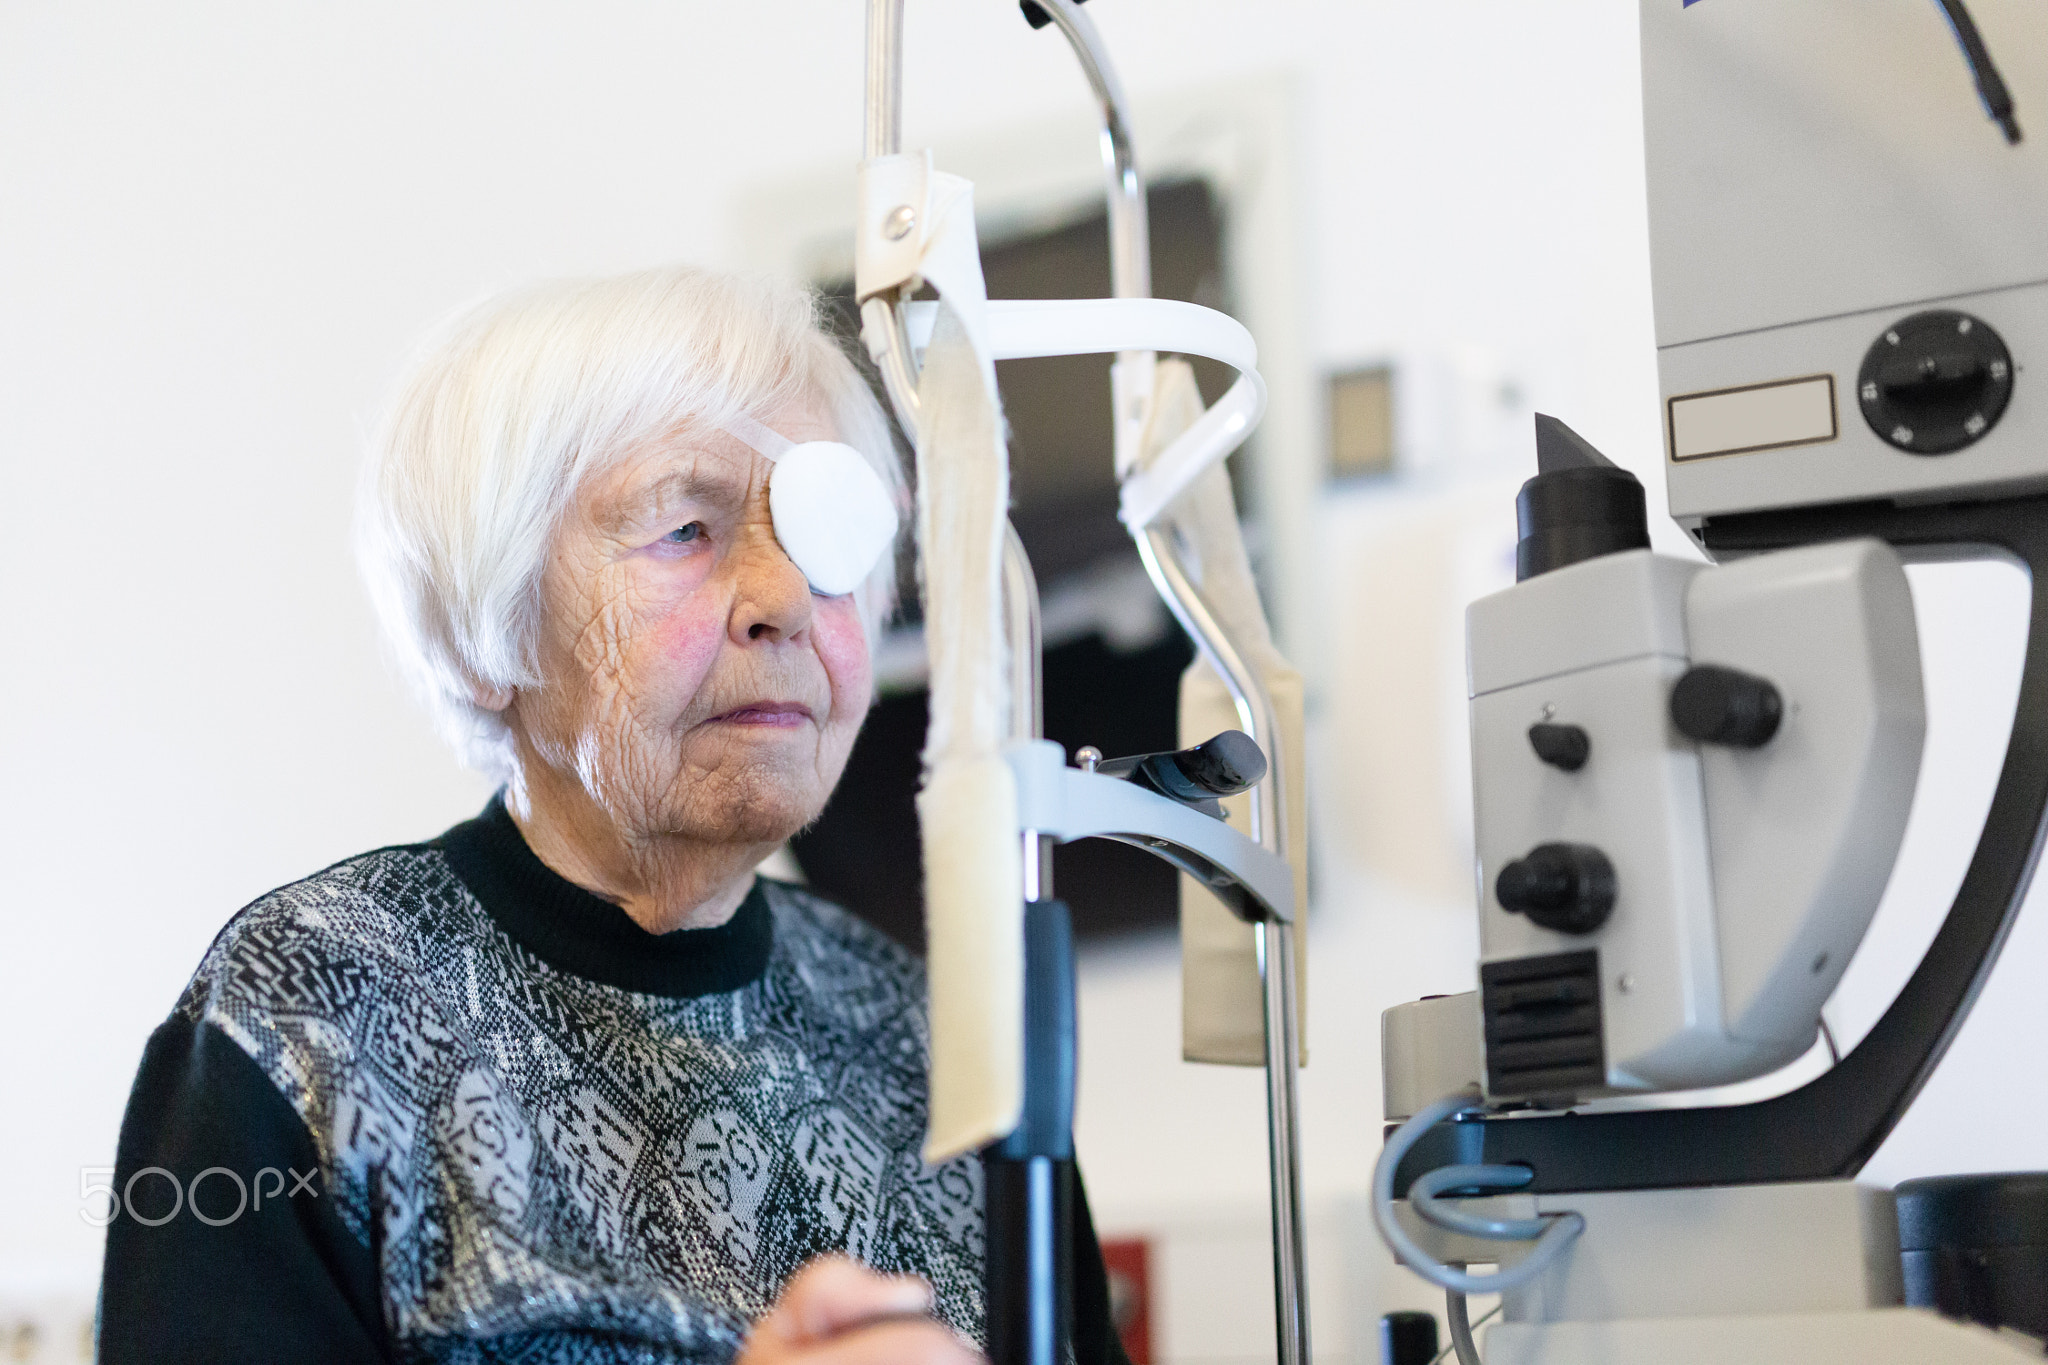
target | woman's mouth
[{"x": 784, "y": 715}]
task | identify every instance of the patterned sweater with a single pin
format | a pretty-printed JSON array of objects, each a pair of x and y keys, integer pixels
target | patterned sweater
[{"x": 540, "y": 1132}]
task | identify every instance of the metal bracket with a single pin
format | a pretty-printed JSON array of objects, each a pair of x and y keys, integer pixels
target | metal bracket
[{"x": 1066, "y": 803}]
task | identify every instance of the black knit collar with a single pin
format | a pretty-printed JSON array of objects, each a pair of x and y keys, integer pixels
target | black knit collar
[{"x": 575, "y": 931}]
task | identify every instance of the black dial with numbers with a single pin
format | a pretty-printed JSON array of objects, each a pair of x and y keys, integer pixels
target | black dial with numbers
[{"x": 1935, "y": 382}]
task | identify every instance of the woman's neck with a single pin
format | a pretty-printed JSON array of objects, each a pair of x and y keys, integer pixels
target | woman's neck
[{"x": 663, "y": 882}]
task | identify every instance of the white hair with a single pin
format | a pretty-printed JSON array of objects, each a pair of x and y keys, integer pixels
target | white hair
[{"x": 511, "y": 404}]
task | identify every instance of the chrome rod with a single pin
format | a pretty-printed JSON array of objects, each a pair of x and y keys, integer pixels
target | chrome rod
[
  {"x": 882, "y": 134},
  {"x": 882, "y": 327},
  {"x": 1021, "y": 631},
  {"x": 1254, "y": 708},
  {"x": 1130, "y": 238},
  {"x": 1274, "y": 943},
  {"x": 1130, "y": 243}
]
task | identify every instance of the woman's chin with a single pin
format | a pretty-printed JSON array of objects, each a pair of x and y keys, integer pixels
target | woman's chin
[{"x": 763, "y": 797}]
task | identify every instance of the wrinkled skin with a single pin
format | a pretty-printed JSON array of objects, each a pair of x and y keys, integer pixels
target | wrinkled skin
[
  {"x": 698, "y": 701},
  {"x": 698, "y": 704}
]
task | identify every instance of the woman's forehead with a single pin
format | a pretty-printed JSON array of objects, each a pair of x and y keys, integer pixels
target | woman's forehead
[
  {"x": 714, "y": 471},
  {"x": 699, "y": 465}
]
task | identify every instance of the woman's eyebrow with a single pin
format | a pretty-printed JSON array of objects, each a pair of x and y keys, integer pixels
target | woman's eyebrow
[{"x": 674, "y": 489}]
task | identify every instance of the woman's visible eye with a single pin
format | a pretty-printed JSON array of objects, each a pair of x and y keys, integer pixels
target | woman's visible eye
[{"x": 683, "y": 535}]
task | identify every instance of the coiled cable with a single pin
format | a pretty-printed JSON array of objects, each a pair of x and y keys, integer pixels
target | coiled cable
[{"x": 1552, "y": 1233}]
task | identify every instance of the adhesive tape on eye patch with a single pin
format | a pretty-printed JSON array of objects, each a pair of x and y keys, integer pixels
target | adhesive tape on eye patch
[{"x": 833, "y": 516}]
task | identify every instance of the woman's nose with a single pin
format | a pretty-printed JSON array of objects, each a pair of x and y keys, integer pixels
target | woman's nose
[{"x": 773, "y": 599}]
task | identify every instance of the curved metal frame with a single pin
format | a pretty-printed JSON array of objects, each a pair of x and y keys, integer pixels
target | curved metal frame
[
  {"x": 1074, "y": 803},
  {"x": 1274, "y": 943},
  {"x": 883, "y": 320}
]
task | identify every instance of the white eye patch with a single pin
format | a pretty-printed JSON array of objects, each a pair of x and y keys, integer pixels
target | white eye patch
[{"x": 833, "y": 516}]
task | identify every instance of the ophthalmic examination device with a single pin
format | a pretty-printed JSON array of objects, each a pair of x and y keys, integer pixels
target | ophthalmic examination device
[{"x": 1691, "y": 779}]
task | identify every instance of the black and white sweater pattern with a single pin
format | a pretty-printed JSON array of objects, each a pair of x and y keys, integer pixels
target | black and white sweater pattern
[{"x": 553, "y": 1167}]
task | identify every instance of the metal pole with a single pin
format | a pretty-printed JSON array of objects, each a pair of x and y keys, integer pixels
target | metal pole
[
  {"x": 1028, "y": 1235},
  {"x": 1131, "y": 277},
  {"x": 882, "y": 133},
  {"x": 1027, "y": 690},
  {"x": 1130, "y": 243},
  {"x": 1274, "y": 943},
  {"x": 1130, "y": 238}
]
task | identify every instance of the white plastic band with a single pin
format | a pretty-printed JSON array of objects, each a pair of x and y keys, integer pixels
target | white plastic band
[
  {"x": 1019, "y": 329},
  {"x": 1025, "y": 328},
  {"x": 769, "y": 444}
]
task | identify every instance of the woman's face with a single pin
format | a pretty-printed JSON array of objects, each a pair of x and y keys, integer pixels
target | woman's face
[{"x": 694, "y": 684}]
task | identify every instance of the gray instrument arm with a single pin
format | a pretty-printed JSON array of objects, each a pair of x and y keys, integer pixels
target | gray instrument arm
[{"x": 1068, "y": 803}]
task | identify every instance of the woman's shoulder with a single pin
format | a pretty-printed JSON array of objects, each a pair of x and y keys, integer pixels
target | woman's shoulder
[{"x": 316, "y": 947}]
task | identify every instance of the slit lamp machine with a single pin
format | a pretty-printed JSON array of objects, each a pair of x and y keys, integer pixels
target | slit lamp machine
[
  {"x": 1691, "y": 780},
  {"x": 1691, "y": 777}
]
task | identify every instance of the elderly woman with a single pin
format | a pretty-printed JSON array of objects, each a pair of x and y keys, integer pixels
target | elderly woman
[{"x": 571, "y": 1082}]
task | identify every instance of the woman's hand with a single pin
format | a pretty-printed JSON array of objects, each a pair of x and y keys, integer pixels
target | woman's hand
[{"x": 837, "y": 1312}]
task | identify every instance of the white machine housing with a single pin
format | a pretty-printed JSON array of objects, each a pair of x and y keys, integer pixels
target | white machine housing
[
  {"x": 1817, "y": 172},
  {"x": 1744, "y": 877}
]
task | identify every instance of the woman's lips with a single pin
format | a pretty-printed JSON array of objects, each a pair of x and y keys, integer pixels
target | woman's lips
[{"x": 773, "y": 714}]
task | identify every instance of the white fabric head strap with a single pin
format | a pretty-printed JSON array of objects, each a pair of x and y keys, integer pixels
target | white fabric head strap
[{"x": 967, "y": 811}]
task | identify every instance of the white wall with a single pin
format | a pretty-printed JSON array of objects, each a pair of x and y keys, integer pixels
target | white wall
[{"x": 220, "y": 223}]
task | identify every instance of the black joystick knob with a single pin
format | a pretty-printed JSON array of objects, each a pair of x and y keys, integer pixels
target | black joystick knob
[
  {"x": 1230, "y": 763},
  {"x": 1715, "y": 705},
  {"x": 1568, "y": 888},
  {"x": 1224, "y": 765}
]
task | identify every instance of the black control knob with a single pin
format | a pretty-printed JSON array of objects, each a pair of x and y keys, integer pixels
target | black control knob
[
  {"x": 1715, "y": 705},
  {"x": 1224, "y": 765},
  {"x": 1935, "y": 382},
  {"x": 1568, "y": 888},
  {"x": 1561, "y": 746},
  {"x": 1579, "y": 506},
  {"x": 1408, "y": 1338}
]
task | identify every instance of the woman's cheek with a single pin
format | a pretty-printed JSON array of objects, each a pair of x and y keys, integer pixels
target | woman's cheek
[
  {"x": 843, "y": 648},
  {"x": 687, "y": 641}
]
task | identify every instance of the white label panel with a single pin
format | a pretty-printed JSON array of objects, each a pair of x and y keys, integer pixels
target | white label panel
[{"x": 1756, "y": 417}]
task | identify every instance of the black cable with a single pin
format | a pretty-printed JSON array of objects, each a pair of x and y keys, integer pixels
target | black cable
[{"x": 1990, "y": 85}]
